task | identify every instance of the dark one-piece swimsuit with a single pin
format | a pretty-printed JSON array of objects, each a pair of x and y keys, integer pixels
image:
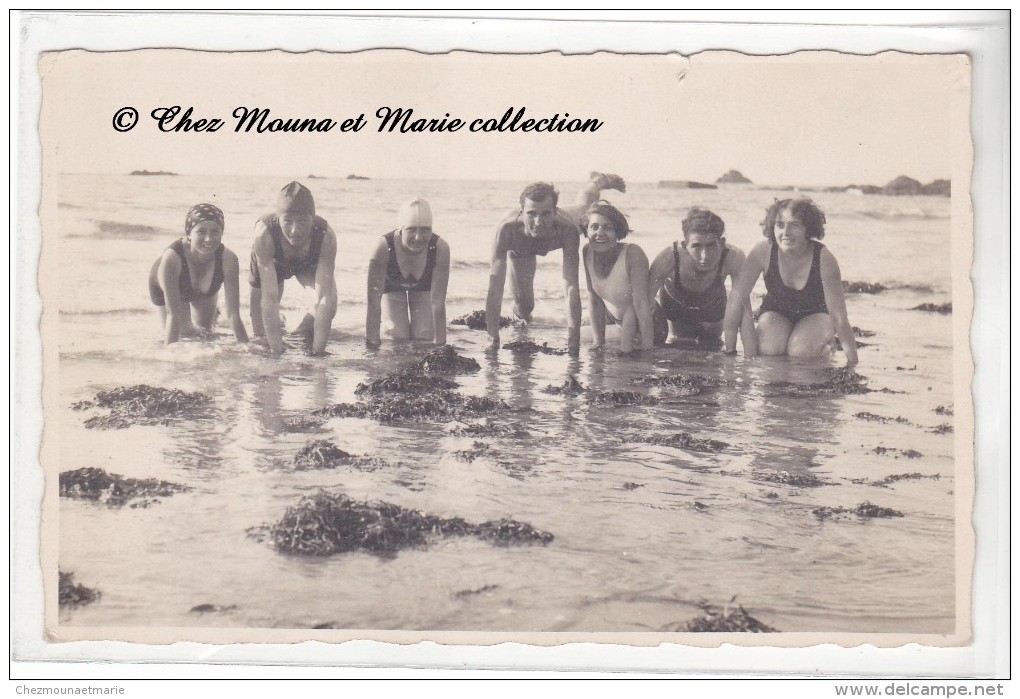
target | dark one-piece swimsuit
[
  {"x": 395, "y": 281},
  {"x": 790, "y": 303},
  {"x": 284, "y": 269},
  {"x": 692, "y": 308},
  {"x": 188, "y": 292}
]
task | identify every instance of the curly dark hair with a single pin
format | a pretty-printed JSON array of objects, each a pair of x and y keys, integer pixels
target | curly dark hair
[
  {"x": 614, "y": 215},
  {"x": 539, "y": 191},
  {"x": 806, "y": 211},
  {"x": 703, "y": 221}
]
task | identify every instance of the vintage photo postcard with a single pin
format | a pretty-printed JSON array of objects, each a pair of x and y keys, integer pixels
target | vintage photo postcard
[{"x": 618, "y": 347}]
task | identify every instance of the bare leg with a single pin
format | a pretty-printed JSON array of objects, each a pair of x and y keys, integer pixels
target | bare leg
[
  {"x": 628, "y": 329},
  {"x": 773, "y": 333},
  {"x": 396, "y": 308},
  {"x": 671, "y": 337},
  {"x": 421, "y": 315},
  {"x": 811, "y": 336},
  {"x": 204, "y": 312},
  {"x": 522, "y": 283},
  {"x": 257, "y": 329}
]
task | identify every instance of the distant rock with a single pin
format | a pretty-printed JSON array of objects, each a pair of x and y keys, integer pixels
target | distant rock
[
  {"x": 685, "y": 184},
  {"x": 938, "y": 188},
  {"x": 315, "y": 177},
  {"x": 356, "y": 177},
  {"x": 733, "y": 177},
  {"x": 153, "y": 172},
  {"x": 903, "y": 186}
]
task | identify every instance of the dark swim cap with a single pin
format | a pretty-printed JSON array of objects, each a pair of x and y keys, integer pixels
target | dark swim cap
[
  {"x": 295, "y": 199},
  {"x": 202, "y": 212}
]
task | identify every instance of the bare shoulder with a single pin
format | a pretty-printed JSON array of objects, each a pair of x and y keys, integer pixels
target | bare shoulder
[
  {"x": 760, "y": 252},
  {"x": 170, "y": 261},
  {"x": 442, "y": 248},
  {"x": 734, "y": 258},
  {"x": 827, "y": 260},
  {"x": 636, "y": 253},
  {"x": 229, "y": 257}
]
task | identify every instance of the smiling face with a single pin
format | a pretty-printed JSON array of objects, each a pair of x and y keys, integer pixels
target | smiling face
[
  {"x": 791, "y": 233},
  {"x": 601, "y": 233},
  {"x": 705, "y": 249},
  {"x": 205, "y": 237},
  {"x": 297, "y": 228},
  {"x": 415, "y": 239},
  {"x": 538, "y": 216}
]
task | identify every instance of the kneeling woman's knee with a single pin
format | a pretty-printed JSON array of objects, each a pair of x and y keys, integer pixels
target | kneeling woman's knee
[
  {"x": 773, "y": 334},
  {"x": 811, "y": 337}
]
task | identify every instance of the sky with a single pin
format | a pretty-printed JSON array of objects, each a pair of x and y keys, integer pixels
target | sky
[{"x": 808, "y": 119}]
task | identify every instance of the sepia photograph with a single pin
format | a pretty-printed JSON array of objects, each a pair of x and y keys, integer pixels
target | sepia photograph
[{"x": 468, "y": 346}]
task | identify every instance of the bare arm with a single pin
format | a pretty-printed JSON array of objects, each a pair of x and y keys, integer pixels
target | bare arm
[
  {"x": 571, "y": 261},
  {"x": 376, "y": 284},
  {"x": 735, "y": 262},
  {"x": 497, "y": 281},
  {"x": 832, "y": 285},
  {"x": 597, "y": 308},
  {"x": 739, "y": 302},
  {"x": 440, "y": 281},
  {"x": 325, "y": 291},
  {"x": 177, "y": 309},
  {"x": 232, "y": 293},
  {"x": 270, "y": 289},
  {"x": 637, "y": 272},
  {"x": 660, "y": 270}
]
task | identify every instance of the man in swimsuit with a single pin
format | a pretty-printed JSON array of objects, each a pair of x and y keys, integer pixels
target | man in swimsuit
[
  {"x": 538, "y": 228},
  {"x": 410, "y": 269},
  {"x": 293, "y": 242},
  {"x": 689, "y": 278}
]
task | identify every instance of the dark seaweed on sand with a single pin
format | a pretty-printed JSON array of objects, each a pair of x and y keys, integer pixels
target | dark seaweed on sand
[
  {"x": 843, "y": 381},
  {"x": 865, "y": 510},
  {"x": 441, "y": 405},
  {"x": 863, "y": 288},
  {"x": 684, "y": 440},
  {"x": 942, "y": 429},
  {"x": 619, "y": 398},
  {"x": 716, "y": 620},
  {"x": 570, "y": 387},
  {"x": 943, "y": 410},
  {"x": 409, "y": 380},
  {"x": 445, "y": 360},
  {"x": 871, "y": 417},
  {"x": 303, "y": 423},
  {"x": 490, "y": 428},
  {"x": 688, "y": 384},
  {"x": 72, "y": 594},
  {"x": 112, "y": 489},
  {"x": 896, "y": 477},
  {"x": 943, "y": 308},
  {"x": 529, "y": 347},
  {"x": 799, "y": 480},
  {"x": 907, "y": 453},
  {"x": 467, "y": 593},
  {"x": 324, "y": 454},
  {"x": 142, "y": 405},
  {"x": 469, "y": 455},
  {"x": 476, "y": 321},
  {"x": 328, "y": 523}
]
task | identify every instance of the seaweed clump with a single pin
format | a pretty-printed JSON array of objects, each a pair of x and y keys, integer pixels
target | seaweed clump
[
  {"x": 716, "y": 620},
  {"x": 570, "y": 387},
  {"x": 942, "y": 308},
  {"x": 72, "y": 594},
  {"x": 896, "y": 477},
  {"x": 112, "y": 489},
  {"x": 619, "y": 398},
  {"x": 410, "y": 380},
  {"x": 942, "y": 429},
  {"x": 302, "y": 423},
  {"x": 943, "y": 410},
  {"x": 907, "y": 453},
  {"x": 843, "y": 381},
  {"x": 141, "y": 405},
  {"x": 441, "y": 405},
  {"x": 529, "y": 347},
  {"x": 688, "y": 384},
  {"x": 684, "y": 440},
  {"x": 863, "y": 288},
  {"x": 871, "y": 417},
  {"x": 324, "y": 454},
  {"x": 865, "y": 510},
  {"x": 799, "y": 480},
  {"x": 476, "y": 321},
  {"x": 469, "y": 455},
  {"x": 445, "y": 360},
  {"x": 329, "y": 523},
  {"x": 490, "y": 428}
]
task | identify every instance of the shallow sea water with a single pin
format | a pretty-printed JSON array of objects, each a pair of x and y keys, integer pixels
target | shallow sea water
[{"x": 642, "y": 532}]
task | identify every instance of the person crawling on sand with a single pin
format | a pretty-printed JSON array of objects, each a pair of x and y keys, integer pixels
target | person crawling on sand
[
  {"x": 293, "y": 242},
  {"x": 689, "y": 280},
  {"x": 804, "y": 306},
  {"x": 184, "y": 283},
  {"x": 617, "y": 275},
  {"x": 410, "y": 270},
  {"x": 537, "y": 228}
]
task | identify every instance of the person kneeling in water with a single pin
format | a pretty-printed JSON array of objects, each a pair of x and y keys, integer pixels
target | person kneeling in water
[
  {"x": 410, "y": 269},
  {"x": 185, "y": 281},
  {"x": 689, "y": 279},
  {"x": 617, "y": 275}
]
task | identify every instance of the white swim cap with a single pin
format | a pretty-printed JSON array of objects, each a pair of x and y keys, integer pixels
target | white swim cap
[{"x": 415, "y": 213}]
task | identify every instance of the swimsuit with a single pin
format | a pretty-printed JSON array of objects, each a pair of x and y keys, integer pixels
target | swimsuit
[
  {"x": 395, "y": 281},
  {"x": 793, "y": 304},
  {"x": 615, "y": 289},
  {"x": 188, "y": 292},
  {"x": 522, "y": 244},
  {"x": 694, "y": 307},
  {"x": 284, "y": 269}
]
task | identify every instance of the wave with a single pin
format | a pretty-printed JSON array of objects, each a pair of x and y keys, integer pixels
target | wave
[
  {"x": 116, "y": 229},
  {"x": 107, "y": 312},
  {"x": 909, "y": 213}
]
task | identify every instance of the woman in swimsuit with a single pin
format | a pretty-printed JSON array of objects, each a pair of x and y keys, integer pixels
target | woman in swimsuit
[
  {"x": 617, "y": 275},
  {"x": 410, "y": 269},
  {"x": 184, "y": 282},
  {"x": 689, "y": 279},
  {"x": 804, "y": 306}
]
